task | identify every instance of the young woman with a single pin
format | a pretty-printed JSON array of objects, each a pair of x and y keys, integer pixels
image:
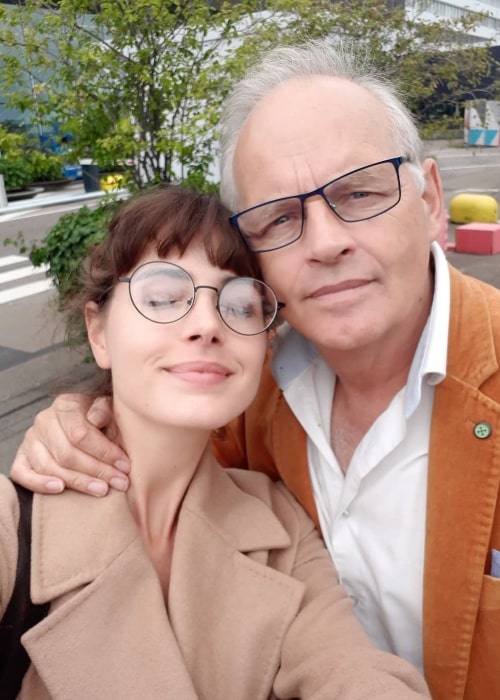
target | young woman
[{"x": 198, "y": 582}]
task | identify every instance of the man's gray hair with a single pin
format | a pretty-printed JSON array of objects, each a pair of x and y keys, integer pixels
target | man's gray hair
[{"x": 321, "y": 57}]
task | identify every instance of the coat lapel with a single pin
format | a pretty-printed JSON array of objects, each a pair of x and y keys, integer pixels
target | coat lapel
[
  {"x": 463, "y": 485},
  {"x": 108, "y": 634},
  {"x": 226, "y": 608}
]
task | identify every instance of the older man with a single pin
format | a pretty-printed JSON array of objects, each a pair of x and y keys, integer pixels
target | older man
[{"x": 379, "y": 408}]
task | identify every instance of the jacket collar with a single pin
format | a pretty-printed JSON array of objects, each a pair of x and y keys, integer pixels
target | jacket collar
[
  {"x": 109, "y": 633},
  {"x": 68, "y": 552}
]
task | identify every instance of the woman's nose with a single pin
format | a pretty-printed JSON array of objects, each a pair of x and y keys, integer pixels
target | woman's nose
[{"x": 203, "y": 320}]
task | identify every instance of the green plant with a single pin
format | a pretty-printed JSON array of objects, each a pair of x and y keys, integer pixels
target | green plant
[
  {"x": 64, "y": 249},
  {"x": 68, "y": 242},
  {"x": 16, "y": 171},
  {"x": 145, "y": 79},
  {"x": 45, "y": 167}
]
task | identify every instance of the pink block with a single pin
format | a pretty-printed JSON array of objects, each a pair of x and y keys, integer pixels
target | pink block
[{"x": 481, "y": 239}]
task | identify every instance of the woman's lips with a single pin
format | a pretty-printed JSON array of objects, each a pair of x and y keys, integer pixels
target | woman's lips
[{"x": 201, "y": 373}]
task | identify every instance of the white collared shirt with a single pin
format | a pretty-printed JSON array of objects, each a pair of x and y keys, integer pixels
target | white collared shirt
[{"x": 373, "y": 517}]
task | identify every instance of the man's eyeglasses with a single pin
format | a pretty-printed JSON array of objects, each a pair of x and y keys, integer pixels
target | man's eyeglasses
[
  {"x": 163, "y": 292},
  {"x": 356, "y": 196}
]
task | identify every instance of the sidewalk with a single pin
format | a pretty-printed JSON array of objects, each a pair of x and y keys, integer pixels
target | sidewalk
[
  {"x": 36, "y": 383},
  {"x": 28, "y": 387},
  {"x": 73, "y": 192}
]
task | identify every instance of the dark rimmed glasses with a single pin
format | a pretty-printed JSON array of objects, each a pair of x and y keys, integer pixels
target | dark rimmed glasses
[
  {"x": 358, "y": 195},
  {"x": 164, "y": 292}
]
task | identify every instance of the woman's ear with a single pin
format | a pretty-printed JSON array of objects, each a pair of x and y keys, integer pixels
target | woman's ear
[{"x": 95, "y": 320}]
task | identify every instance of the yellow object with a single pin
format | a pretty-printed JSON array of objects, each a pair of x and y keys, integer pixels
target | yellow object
[
  {"x": 112, "y": 182},
  {"x": 470, "y": 207}
]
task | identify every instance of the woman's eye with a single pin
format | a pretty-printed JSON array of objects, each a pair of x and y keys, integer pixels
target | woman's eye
[{"x": 158, "y": 302}]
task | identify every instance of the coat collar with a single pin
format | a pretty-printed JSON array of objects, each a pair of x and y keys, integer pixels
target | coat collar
[
  {"x": 463, "y": 485},
  {"x": 109, "y": 633},
  {"x": 75, "y": 538}
]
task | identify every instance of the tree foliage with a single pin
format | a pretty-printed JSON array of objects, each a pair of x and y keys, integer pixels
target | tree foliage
[
  {"x": 145, "y": 79},
  {"x": 432, "y": 61}
]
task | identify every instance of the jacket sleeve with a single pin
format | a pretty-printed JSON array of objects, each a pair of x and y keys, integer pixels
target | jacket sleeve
[
  {"x": 326, "y": 653},
  {"x": 9, "y": 517},
  {"x": 228, "y": 444}
]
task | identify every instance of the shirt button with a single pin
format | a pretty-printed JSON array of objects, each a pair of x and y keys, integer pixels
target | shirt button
[
  {"x": 354, "y": 600},
  {"x": 345, "y": 513}
]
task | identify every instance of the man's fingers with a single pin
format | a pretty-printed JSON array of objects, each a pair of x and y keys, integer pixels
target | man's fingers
[
  {"x": 78, "y": 433},
  {"x": 22, "y": 473},
  {"x": 100, "y": 413},
  {"x": 63, "y": 449},
  {"x": 105, "y": 456},
  {"x": 37, "y": 469},
  {"x": 93, "y": 477}
]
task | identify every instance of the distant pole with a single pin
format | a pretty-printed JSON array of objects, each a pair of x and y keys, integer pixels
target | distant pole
[{"x": 3, "y": 196}]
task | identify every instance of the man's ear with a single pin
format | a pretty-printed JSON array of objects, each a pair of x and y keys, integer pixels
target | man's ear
[
  {"x": 433, "y": 198},
  {"x": 95, "y": 322}
]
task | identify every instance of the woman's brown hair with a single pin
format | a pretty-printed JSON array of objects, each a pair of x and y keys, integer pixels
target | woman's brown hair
[{"x": 166, "y": 218}]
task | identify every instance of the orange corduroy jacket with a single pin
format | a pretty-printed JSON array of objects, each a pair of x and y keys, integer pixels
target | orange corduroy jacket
[{"x": 461, "y": 619}]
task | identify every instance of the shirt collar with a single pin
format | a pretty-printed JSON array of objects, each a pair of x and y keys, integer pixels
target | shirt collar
[
  {"x": 429, "y": 361},
  {"x": 293, "y": 353}
]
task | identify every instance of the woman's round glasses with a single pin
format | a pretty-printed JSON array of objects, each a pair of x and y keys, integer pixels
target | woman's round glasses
[{"x": 164, "y": 292}]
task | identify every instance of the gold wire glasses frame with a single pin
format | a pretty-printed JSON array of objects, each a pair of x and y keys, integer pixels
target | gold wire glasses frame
[
  {"x": 358, "y": 195},
  {"x": 164, "y": 292}
]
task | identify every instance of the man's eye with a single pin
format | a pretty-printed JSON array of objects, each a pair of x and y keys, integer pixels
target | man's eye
[{"x": 283, "y": 219}]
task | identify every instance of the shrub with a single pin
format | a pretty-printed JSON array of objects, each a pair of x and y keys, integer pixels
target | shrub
[
  {"x": 14, "y": 166},
  {"x": 45, "y": 167},
  {"x": 16, "y": 171},
  {"x": 64, "y": 249},
  {"x": 67, "y": 243}
]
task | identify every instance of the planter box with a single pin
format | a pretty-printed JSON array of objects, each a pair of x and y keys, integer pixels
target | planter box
[
  {"x": 28, "y": 193},
  {"x": 55, "y": 185}
]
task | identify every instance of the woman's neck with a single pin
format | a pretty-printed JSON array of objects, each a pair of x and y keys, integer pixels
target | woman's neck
[{"x": 163, "y": 461}]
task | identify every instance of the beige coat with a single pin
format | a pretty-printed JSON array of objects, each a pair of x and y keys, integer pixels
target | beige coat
[
  {"x": 254, "y": 607},
  {"x": 461, "y": 626}
]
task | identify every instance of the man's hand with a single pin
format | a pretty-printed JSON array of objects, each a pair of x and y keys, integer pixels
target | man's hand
[{"x": 66, "y": 448}]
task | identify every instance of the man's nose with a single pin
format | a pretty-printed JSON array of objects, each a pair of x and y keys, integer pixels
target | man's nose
[{"x": 325, "y": 235}]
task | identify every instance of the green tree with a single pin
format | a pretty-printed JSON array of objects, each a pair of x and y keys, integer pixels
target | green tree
[
  {"x": 141, "y": 79},
  {"x": 434, "y": 62},
  {"x": 145, "y": 79}
]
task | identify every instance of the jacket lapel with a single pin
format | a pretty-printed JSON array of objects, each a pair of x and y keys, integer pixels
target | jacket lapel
[
  {"x": 290, "y": 450},
  {"x": 463, "y": 484},
  {"x": 225, "y": 607},
  {"x": 110, "y": 638},
  {"x": 108, "y": 633}
]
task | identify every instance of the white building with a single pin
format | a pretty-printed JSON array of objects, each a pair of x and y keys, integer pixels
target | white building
[{"x": 488, "y": 28}]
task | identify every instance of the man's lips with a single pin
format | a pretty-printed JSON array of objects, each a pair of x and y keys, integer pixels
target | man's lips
[{"x": 347, "y": 285}]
